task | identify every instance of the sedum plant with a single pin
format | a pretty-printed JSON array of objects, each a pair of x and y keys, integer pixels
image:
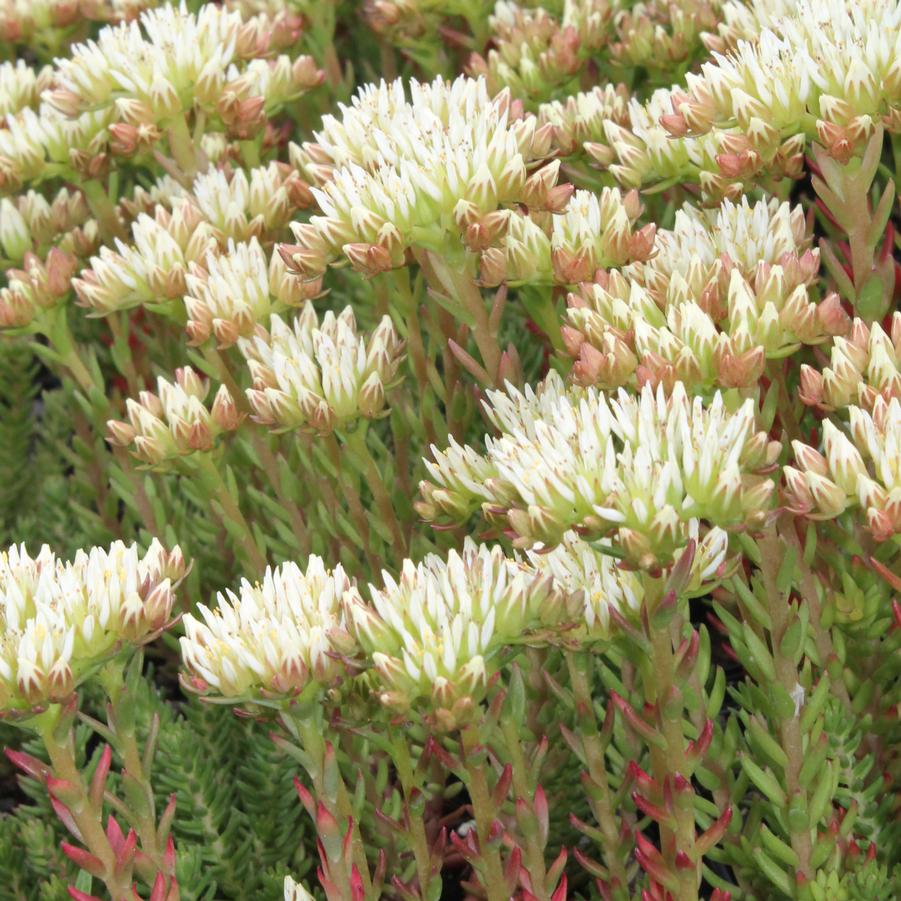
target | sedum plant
[{"x": 450, "y": 450}]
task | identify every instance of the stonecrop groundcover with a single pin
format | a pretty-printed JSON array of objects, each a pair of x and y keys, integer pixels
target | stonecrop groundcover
[{"x": 450, "y": 450}]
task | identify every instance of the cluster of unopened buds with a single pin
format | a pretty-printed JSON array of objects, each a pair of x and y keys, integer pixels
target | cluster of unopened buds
[
  {"x": 21, "y": 85},
  {"x": 59, "y": 619},
  {"x": 534, "y": 52},
  {"x": 593, "y": 232},
  {"x": 230, "y": 293},
  {"x": 660, "y": 35},
  {"x": 579, "y": 119},
  {"x": 39, "y": 285},
  {"x": 174, "y": 422},
  {"x": 863, "y": 366},
  {"x": 320, "y": 376},
  {"x": 722, "y": 292},
  {"x": 860, "y": 469}
]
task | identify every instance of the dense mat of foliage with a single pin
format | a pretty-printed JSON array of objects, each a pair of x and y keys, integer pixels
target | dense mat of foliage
[{"x": 450, "y": 450}]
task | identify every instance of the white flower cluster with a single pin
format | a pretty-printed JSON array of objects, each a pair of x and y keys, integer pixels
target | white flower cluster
[
  {"x": 20, "y": 86},
  {"x": 170, "y": 61},
  {"x": 825, "y": 70},
  {"x": 32, "y": 222},
  {"x": 152, "y": 267},
  {"x": 320, "y": 376},
  {"x": 636, "y": 468},
  {"x": 187, "y": 228},
  {"x": 44, "y": 143},
  {"x": 580, "y": 118},
  {"x": 435, "y": 633},
  {"x": 273, "y": 638},
  {"x": 535, "y": 53},
  {"x": 638, "y": 150},
  {"x": 582, "y": 569},
  {"x": 58, "y": 619},
  {"x": 397, "y": 173},
  {"x": 230, "y": 293}
]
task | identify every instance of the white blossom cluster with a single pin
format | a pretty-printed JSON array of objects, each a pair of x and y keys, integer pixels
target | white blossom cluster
[
  {"x": 435, "y": 633},
  {"x": 174, "y": 422},
  {"x": 636, "y": 468},
  {"x": 58, "y": 619},
  {"x": 858, "y": 469},
  {"x": 395, "y": 173},
  {"x": 271, "y": 638},
  {"x": 864, "y": 365}
]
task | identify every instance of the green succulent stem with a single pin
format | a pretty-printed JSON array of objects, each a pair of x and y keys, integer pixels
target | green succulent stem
[
  {"x": 215, "y": 486},
  {"x": 104, "y": 210},
  {"x": 55, "y": 730},
  {"x": 181, "y": 145},
  {"x": 789, "y": 732},
  {"x": 594, "y": 743},
  {"x": 412, "y": 783},
  {"x": 491, "y": 871},
  {"x": 668, "y": 759},
  {"x": 308, "y": 726},
  {"x": 121, "y": 690},
  {"x": 459, "y": 286},
  {"x": 362, "y": 457}
]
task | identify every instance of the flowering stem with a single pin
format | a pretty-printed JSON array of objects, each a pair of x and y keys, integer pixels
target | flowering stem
[
  {"x": 136, "y": 773},
  {"x": 56, "y": 330},
  {"x": 593, "y": 744},
  {"x": 271, "y": 469},
  {"x": 483, "y": 809},
  {"x": 415, "y": 346},
  {"x": 352, "y": 495},
  {"x": 668, "y": 761},
  {"x": 459, "y": 285},
  {"x": 320, "y": 761},
  {"x": 104, "y": 210},
  {"x": 86, "y": 811},
  {"x": 226, "y": 376},
  {"x": 821, "y": 635},
  {"x": 356, "y": 444},
  {"x": 230, "y": 513},
  {"x": 118, "y": 324},
  {"x": 411, "y": 783},
  {"x": 772, "y": 553},
  {"x": 784, "y": 403},
  {"x": 535, "y": 839},
  {"x": 181, "y": 144}
]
